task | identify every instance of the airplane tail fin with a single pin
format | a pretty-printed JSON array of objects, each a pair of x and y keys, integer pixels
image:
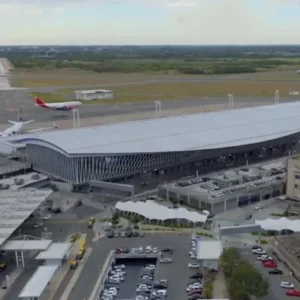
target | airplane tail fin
[
  {"x": 40, "y": 102},
  {"x": 27, "y": 122}
]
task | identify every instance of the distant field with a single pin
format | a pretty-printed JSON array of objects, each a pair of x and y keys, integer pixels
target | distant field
[
  {"x": 183, "y": 90},
  {"x": 75, "y": 77},
  {"x": 68, "y": 81}
]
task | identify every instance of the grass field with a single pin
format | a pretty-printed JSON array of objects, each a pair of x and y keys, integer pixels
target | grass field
[
  {"x": 41, "y": 78},
  {"x": 154, "y": 91},
  {"x": 182, "y": 90}
]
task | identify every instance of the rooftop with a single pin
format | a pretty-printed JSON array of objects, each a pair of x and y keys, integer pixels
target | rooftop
[
  {"x": 211, "y": 130},
  {"x": 217, "y": 186},
  {"x": 55, "y": 251},
  {"x": 26, "y": 244},
  {"x": 16, "y": 206},
  {"x": 209, "y": 249},
  {"x": 21, "y": 181},
  {"x": 38, "y": 282}
]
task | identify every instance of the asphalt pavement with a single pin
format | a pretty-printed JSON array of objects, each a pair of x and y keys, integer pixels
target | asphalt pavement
[
  {"x": 275, "y": 291},
  {"x": 31, "y": 111}
]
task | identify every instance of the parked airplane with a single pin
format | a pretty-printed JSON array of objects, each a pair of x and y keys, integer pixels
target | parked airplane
[
  {"x": 58, "y": 105},
  {"x": 17, "y": 128}
]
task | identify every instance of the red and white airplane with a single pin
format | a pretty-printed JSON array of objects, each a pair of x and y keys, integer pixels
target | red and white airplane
[{"x": 58, "y": 105}]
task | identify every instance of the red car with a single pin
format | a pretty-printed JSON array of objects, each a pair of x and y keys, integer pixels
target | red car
[
  {"x": 195, "y": 292},
  {"x": 270, "y": 264},
  {"x": 294, "y": 293}
]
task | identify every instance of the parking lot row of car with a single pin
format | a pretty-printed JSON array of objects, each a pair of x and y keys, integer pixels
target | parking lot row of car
[
  {"x": 147, "y": 288},
  {"x": 195, "y": 286},
  {"x": 125, "y": 233},
  {"x": 269, "y": 262}
]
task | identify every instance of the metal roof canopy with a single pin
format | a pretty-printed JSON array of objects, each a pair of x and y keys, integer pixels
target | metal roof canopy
[
  {"x": 26, "y": 243},
  {"x": 38, "y": 282},
  {"x": 213, "y": 130},
  {"x": 55, "y": 251},
  {"x": 16, "y": 206}
]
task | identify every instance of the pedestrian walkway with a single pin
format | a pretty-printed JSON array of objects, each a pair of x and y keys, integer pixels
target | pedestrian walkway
[{"x": 239, "y": 245}]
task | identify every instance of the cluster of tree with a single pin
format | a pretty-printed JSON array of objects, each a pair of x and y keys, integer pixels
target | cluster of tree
[
  {"x": 129, "y": 66},
  {"x": 244, "y": 280},
  {"x": 98, "y": 53}
]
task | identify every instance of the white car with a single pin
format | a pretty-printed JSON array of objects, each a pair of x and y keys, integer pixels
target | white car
[
  {"x": 38, "y": 225},
  {"x": 148, "y": 249},
  {"x": 166, "y": 260},
  {"x": 150, "y": 267},
  {"x": 147, "y": 277},
  {"x": 118, "y": 272},
  {"x": 258, "y": 251},
  {"x": 47, "y": 217},
  {"x": 194, "y": 286},
  {"x": 162, "y": 293},
  {"x": 120, "y": 267},
  {"x": 114, "y": 280},
  {"x": 193, "y": 266},
  {"x": 117, "y": 277},
  {"x": 258, "y": 207},
  {"x": 110, "y": 293},
  {"x": 264, "y": 257},
  {"x": 155, "y": 250},
  {"x": 142, "y": 289},
  {"x": 286, "y": 285}
]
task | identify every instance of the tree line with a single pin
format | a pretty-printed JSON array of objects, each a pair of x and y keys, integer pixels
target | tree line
[
  {"x": 243, "y": 279},
  {"x": 183, "y": 66}
]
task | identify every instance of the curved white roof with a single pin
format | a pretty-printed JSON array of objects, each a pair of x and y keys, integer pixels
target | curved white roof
[
  {"x": 279, "y": 224},
  {"x": 181, "y": 133},
  {"x": 154, "y": 211}
]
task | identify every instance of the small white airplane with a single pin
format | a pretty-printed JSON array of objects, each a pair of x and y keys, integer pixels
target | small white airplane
[
  {"x": 58, "y": 105},
  {"x": 17, "y": 128}
]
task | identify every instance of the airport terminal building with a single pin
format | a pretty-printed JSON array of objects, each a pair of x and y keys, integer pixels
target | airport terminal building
[{"x": 203, "y": 142}]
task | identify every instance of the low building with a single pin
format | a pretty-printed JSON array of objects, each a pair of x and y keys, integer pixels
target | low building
[
  {"x": 209, "y": 253},
  {"x": 56, "y": 254},
  {"x": 218, "y": 192},
  {"x": 94, "y": 95},
  {"x": 293, "y": 178}
]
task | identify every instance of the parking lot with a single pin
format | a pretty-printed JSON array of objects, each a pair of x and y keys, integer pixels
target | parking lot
[
  {"x": 275, "y": 291},
  {"x": 177, "y": 272}
]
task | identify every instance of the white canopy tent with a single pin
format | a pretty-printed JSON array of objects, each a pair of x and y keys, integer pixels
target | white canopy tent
[
  {"x": 153, "y": 211},
  {"x": 279, "y": 224}
]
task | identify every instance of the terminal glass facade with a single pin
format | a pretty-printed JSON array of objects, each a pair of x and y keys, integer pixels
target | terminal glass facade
[{"x": 81, "y": 169}]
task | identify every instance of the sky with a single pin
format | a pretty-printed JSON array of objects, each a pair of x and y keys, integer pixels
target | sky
[{"x": 149, "y": 22}]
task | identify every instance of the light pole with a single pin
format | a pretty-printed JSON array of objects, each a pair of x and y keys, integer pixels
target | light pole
[
  {"x": 76, "y": 118},
  {"x": 276, "y": 96},
  {"x": 230, "y": 101},
  {"x": 157, "y": 109}
]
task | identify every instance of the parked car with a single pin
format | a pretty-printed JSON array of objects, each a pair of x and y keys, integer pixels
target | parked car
[
  {"x": 141, "y": 233},
  {"x": 286, "y": 285},
  {"x": 258, "y": 251},
  {"x": 110, "y": 235},
  {"x": 166, "y": 260},
  {"x": 169, "y": 250},
  {"x": 197, "y": 276},
  {"x": 270, "y": 264},
  {"x": 293, "y": 293},
  {"x": 193, "y": 266},
  {"x": 275, "y": 272}
]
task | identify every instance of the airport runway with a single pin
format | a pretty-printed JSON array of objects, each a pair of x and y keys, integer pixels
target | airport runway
[
  {"x": 30, "y": 111},
  {"x": 53, "y": 89}
]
